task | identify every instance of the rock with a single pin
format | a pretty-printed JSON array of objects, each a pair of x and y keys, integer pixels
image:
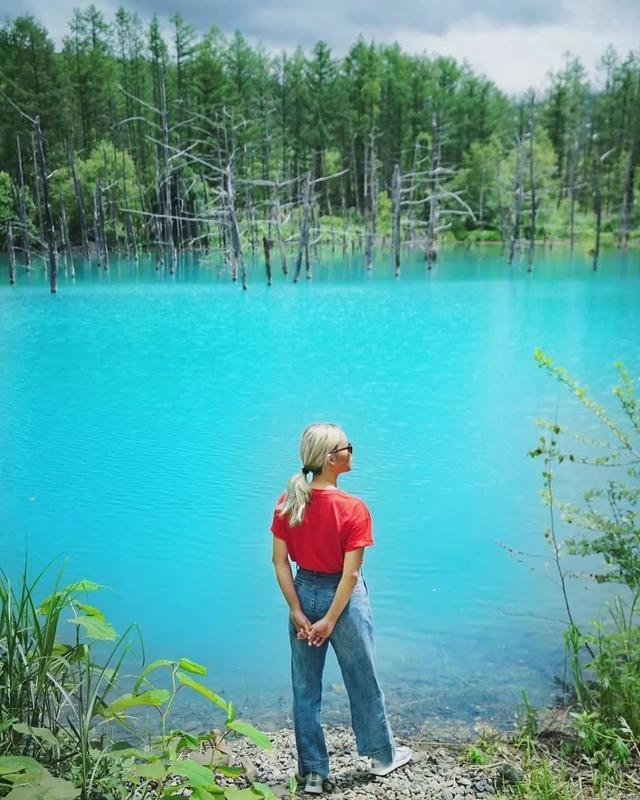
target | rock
[
  {"x": 250, "y": 769},
  {"x": 508, "y": 775}
]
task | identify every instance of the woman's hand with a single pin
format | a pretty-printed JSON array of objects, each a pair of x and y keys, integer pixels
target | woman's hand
[
  {"x": 301, "y": 623},
  {"x": 320, "y": 631}
]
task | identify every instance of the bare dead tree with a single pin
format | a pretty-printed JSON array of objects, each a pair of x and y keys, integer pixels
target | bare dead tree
[
  {"x": 267, "y": 244},
  {"x": 600, "y": 158},
  {"x": 38, "y": 187},
  {"x": 501, "y": 208},
  {"x": 303, "y": 247},
  {"x": 11, "y": 254},
  {"x": 518, "y": 197},
  {"x": 22, "y": 210},
  {"x": 166, "y": 181},
  {"x": 370, "y": 198},
  {"x": 627, "y": 193},
  {"x": 397, "y": 199},
  {"x": 66, "y": 240},
  {"x": 532, "y": 183},
  {"x": 99, "y": 226},
  {"x": 572, "y": 190},
  {"x": 234, "y": 230},
  {"x": 50, "y": 228},
  {"x": 77, "y": 186}
]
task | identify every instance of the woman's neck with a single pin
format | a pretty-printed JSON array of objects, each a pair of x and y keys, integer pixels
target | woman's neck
[{"x": 324, "y": 482}]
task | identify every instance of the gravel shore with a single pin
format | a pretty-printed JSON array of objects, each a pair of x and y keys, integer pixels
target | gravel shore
[{"x": 434, "y": 772}]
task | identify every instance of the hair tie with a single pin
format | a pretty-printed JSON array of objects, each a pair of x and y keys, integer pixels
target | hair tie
[{"x": 305, "y": 470}]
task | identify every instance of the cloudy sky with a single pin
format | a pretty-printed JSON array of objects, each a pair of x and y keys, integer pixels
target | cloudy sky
[{"x": 514, "y": 42}]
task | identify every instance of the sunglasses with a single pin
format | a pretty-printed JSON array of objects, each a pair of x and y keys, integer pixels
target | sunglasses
[{"x": 348, "y": 447}]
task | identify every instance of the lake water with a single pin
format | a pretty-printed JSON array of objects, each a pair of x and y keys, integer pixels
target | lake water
[{"x": 148, "y": 423}]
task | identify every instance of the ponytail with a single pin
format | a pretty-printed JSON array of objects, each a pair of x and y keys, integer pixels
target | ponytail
[
  {"x": 317, "y": 442},
  {"x": 297, "y": 498}
]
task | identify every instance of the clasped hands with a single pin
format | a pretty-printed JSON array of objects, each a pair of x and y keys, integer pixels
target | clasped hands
[{"x": 315, "y": 633}]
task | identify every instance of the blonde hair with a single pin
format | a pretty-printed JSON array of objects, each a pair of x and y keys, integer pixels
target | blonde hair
[{"x": 317, "y": 441}]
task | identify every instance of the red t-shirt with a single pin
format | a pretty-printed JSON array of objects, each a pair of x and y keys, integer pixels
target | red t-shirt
[{"x": 334, "y": 523}]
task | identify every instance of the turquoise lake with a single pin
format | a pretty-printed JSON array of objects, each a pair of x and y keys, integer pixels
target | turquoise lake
[{"x": 148, "y": 423}]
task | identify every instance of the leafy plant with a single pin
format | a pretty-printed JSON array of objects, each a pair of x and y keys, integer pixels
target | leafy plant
[
  {"x": 58, "y": 710},
  {"x": 605, "y": 661}
]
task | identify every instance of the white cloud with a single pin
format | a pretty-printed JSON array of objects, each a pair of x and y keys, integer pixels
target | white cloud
[
  {"x": 517, "y": 57},
  {"x": 516, "y": 52}
]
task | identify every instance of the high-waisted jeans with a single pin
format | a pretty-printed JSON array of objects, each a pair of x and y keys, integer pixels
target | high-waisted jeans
[{"x": 352, "y": 641}]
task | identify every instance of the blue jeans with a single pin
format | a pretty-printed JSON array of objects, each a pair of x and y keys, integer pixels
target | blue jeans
[{"x": 352, "y": 641}]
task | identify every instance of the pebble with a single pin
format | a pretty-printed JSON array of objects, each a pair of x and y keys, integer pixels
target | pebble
[{"x": 433, "y": 774}]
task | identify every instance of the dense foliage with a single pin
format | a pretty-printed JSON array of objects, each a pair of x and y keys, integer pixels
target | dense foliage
[
  {"x": 605, "y": 526},
  {"x": 67, "y": 725},
  {"x": 281, "y": 115}
]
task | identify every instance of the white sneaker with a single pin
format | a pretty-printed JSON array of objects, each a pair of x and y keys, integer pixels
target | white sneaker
[
  {"x": 313, "y": 783},
  {"x": 402, "y": 757}
]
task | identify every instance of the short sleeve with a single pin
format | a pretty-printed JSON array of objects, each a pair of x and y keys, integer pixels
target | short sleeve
[
  {"x": 358, "y": 528},
  {"x": 278, "y": 525}
]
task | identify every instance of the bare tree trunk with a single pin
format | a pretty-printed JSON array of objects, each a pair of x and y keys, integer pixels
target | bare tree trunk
[
  {"x": 303, "y": 249},
  {"x": 80, "y": 201},
  {"x": 11, "y": 254},
  {"x": 168, "y": 205},
  {"x": 517, "y": 200},
  {"x": 67, "y": 242},
  {"x": 532, "y": 180},
  {"x": 572, "y": 193},
  {"x": 371, "y": 201},
  {"x": 234, "y": 230},
  {"x": 22, "y": 211},
  {"x": 267, "y": 244},
  {"x": 206, "y": 237},
  {"x": 430, "y": 253},
  {"x": 281, "y": 242},
  {"x": 397, "y": 195},
  {"x": 503, "y": 238},
  {"x": 627, "y": 195},
  {"x": 598, "y": 209},
  {"x": 50, "y": 229},
  {"x": 354, "y": 179},
  {"x": 101, "y": 236},
  {"x": 37, "y": 176},
  {"x": 409, "y": 237}
]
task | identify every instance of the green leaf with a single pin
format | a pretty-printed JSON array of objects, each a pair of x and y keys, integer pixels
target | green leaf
[
  {"x": 16, "y": 764},
  {"x": 246, "y": 729},
  {"x": 233, "y": 793},
  {"x": 95, "y": 628},
  {"x": 38, "y": 733},
  {"x": 161, "y": 662},
  {"x": 185, "y": 680},
  {"x": 48, "y": 788},
  {"x": 54, "y": 599},
  {"x": 231, "y": 714},
  {"x": 124, "y": 750},
  {"x": 191, "y": 666},
  {"x": 264, "y": 791},
  {"x": 6, "y": 724},
  {"x": 155, "y": 771},
  {"x": 90, "y": 611},
  {"x": 83, "y": 586},
  {"x": 197, "y": 774},
  {"x": 152, "y": 697},
  {"x": 229, "y": 772},
  {"x": 186, "y": 740}
]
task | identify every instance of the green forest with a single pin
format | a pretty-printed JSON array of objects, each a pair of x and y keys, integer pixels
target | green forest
[{"x": 124, "y": 139}]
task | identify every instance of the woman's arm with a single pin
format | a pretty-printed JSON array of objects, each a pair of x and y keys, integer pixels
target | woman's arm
[
  {"x": 284, "y": 576},
  {"x": 323, "y": 628}
]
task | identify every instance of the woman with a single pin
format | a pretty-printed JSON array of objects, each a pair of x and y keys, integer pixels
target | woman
[{"x": 325, "y": 530}]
